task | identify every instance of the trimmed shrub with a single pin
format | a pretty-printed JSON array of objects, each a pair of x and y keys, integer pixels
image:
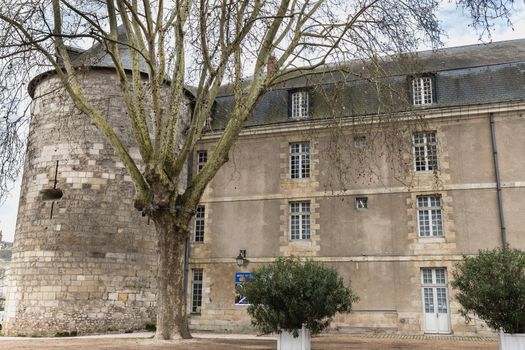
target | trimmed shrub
[
  {"x": 289, "y": 293},
  {"x": 492, "y": 286}
]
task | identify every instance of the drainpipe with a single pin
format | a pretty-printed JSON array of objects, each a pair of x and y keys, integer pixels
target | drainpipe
[{"x": 498, "y": 181}]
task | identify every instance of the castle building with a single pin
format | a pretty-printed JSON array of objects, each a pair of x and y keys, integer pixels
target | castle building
[
  {"x": 392, "y": 205},
  {"x": 84, "y": 260},
  {"x": 389, "y": 181}
]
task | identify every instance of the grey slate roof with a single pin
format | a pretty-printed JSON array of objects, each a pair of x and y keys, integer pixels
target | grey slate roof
[
  {"x": 466, "y": 75},
  {"x": 97, "y": 55}
]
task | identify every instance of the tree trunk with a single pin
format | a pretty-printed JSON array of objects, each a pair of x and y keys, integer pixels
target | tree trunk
[{"x": 171, "y": 311}]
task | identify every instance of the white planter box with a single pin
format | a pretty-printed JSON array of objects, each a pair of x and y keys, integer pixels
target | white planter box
[
  {"x": 286, "y": 341},
  {"x": 511, "y": 341}
]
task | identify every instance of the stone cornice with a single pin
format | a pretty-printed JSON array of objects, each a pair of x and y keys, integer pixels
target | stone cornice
[{"x": 456, "y": 112}]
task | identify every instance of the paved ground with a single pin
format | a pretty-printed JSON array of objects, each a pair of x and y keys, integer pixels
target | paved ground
[{"x": 239, "y": 342}]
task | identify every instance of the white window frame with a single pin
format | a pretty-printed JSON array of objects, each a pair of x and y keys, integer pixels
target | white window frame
[
  {"x": 435, "y": 277},
  {"x": 196, "y": 290},
  {"x": 202, "y": 158},
  {"x": 361, "y": 203},
  {"x": 425, "y": 143},
  {"x": 200, "y": 215},
  {"x": 300, "y": 101},
  {"x": 429, "y": 216},
  {"x": 422, "y": 94},
  {"x": 299, "y": 160},
  {"x": 207, "y": 123},
  {"x": 299, "y": 220}
]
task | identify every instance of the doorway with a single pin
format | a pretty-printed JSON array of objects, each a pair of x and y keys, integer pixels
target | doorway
[{"x": 435, "y": 300}]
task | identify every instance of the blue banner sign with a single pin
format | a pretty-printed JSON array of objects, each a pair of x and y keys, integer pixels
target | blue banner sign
[{"x": 240, "y": 279}]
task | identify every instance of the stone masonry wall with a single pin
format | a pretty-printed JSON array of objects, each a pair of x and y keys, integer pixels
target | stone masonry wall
[{"x": 84, "y": 263}]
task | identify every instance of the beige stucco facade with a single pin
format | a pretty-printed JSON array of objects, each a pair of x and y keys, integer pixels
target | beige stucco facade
[{"x": 378, "y": 248}]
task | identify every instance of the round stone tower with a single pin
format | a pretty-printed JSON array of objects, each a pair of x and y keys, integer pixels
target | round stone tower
[{"x": 84, "y": 259}]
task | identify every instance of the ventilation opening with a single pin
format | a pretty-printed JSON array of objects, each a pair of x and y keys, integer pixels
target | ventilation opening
[{"x": 51, "y": 194}]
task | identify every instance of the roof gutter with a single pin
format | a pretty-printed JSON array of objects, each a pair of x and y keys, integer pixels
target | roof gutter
[{"x": 498, "y": 181}]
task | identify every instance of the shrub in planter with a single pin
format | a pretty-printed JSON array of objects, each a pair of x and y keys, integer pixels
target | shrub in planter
[
  {"x": 289, "y": 294},
  {"x": 492, "y": 286}
]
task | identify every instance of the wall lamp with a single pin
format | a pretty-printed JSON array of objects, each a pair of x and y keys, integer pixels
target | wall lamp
[{"x": 241, "y": 258}]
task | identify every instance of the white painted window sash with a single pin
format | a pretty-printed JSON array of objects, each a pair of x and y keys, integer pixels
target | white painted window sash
[
  {"x": 300, "y": 106},
  {"x": 422, "y": 91},
  {"x": 434, "y": 230},
  {"x": 425, "y": 144},
  {"x": 299, "y": 160},
  {"x": 303, "y": 214}
]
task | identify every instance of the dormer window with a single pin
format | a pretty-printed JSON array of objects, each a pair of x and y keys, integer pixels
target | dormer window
[
  {"x": 207, "y": 123},
  {"x": 299, "y": 104},
  {"x": 422, "y": 90}
]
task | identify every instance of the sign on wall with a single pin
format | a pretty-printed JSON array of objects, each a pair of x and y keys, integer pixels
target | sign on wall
[{"x": 240, "y": 279}]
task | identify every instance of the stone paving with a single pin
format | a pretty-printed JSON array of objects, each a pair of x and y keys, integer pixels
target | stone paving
[
  {"x": 432, "y": 337},
  {"x": 244, "y": 342}
]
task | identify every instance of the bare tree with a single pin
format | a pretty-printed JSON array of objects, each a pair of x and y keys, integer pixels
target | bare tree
[{"x": 205, "y": 43}]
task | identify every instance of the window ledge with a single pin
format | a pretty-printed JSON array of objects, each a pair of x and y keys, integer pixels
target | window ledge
[
  {"x": 432, "y": 239},
  {"x": 426, "y": 172},
  {"x": 425, "y": 105},
  {"x": 300, "y": 118}
]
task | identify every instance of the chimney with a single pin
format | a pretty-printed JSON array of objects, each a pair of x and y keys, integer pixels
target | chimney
[{"x": 270, "y": 65}]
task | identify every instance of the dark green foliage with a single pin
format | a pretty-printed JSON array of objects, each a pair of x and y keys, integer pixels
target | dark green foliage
[
  {"x": 290, "y": 293},
  {"x": 492, "y": 285},
  {"x": 150, "y": 327},
  {"x": 66, "y": 334}
]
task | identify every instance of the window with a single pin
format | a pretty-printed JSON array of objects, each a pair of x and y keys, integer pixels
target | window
[
  {"x": 429, "y": 216},
  {"x": 207, "y": 123},
  {"x": 300, "y": 160},
  {"x": 196, "y": 291},
  {"x": 202, "y": 158},
  {"x": 299, "y": 104},
  {"x": 199, "y": 224},
  {"x": 299, "y": 220},
  {"x": 422, "y": 91},
  {"x": 434, "y": 277},
  {"x": 360, "y": 142},
  {"x": 434, "y": 282},
  {"x": 425, "y": 151},
  {"x": 361, "y": 202}
]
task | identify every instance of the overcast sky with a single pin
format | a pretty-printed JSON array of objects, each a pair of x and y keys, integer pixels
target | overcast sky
[{"x": 458, "y": 32}]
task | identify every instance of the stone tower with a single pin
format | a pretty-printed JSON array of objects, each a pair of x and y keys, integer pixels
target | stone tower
[{"x": 84, "y": 259}]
